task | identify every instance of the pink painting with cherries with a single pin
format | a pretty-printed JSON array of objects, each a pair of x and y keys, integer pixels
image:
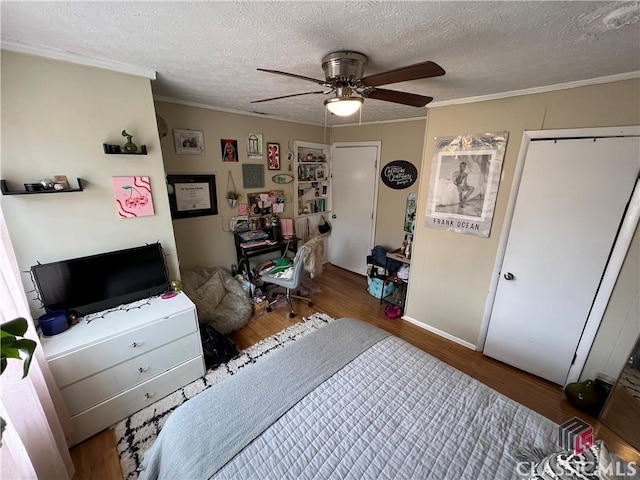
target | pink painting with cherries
[{"x": 133, "y": 196}]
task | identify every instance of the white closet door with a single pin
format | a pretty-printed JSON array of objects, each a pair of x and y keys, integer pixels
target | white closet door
[{"x": 571, "y": 200}]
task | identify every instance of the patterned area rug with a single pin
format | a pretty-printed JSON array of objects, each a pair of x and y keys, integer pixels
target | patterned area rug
[{"x": 135, "y": 434}]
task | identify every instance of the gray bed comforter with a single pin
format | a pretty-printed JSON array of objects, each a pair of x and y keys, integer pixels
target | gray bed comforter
[{"x": 348, "y": 401}]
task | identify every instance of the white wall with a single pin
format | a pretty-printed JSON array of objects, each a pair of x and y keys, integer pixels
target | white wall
[{"x": 55, "y": 117}]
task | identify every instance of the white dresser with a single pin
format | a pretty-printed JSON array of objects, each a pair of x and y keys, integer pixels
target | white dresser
[{"x": 115, "y": 365}]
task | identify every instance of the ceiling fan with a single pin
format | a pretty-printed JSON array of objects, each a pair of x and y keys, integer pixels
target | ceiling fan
[{"x": 344, "y": 77}]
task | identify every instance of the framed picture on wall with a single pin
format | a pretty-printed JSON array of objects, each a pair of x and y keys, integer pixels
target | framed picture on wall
[
  {"x": 229, "y": 150},
  {"x": 189, "y": 142},
  {"x": 192, "y": 195},
  {"x": 273, "y": 150}
]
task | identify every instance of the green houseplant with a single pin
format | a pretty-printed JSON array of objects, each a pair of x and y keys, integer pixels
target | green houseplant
[
  {"x": 13, "y": 344},
  {"x": 232, "y": 198}
]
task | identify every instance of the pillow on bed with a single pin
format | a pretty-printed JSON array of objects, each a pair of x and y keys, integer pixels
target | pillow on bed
[{"x": 592, "y": 464}]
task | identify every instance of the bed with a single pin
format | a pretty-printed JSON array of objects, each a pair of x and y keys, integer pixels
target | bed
[{"x": 348, "y": 401}]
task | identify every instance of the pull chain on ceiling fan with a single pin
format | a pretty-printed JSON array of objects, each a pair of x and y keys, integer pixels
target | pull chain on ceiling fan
[{"x": 344, "y": 77}]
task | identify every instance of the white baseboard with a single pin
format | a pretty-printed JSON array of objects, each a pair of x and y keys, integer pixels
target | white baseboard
[{"x": 441, "y": 333}]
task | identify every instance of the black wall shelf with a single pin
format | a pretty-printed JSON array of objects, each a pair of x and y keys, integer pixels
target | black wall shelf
[
  {"x": 5, "y": 190},
  {"x": 118, "y": 150}
]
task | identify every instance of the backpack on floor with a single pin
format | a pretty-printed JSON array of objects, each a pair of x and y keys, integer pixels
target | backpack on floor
[{"x": 217, "y": 348}]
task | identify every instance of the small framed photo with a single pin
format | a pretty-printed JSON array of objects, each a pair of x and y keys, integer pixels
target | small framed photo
[
  {"x": 320, "y": 174},
  {"x": 273, "y": 150},
  {"x": 189, "y": 142},
  {"x": 61, "y": 180}
]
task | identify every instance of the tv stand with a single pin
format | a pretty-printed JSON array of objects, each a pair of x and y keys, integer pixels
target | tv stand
[{"x": 111, "y": 367}]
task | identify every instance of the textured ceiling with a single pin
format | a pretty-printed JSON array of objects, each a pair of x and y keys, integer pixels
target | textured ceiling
[{"x": 208, "y": 52}]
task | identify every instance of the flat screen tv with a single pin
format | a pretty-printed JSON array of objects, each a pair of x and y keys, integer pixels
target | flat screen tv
[{"x": 98, "y": 282}]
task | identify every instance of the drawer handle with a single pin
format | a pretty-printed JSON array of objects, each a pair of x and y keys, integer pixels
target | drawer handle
[
  {"x": 148, "y": 395},
  {"x": 135, "y": 344},
  {"x": 142, "y": 369}
]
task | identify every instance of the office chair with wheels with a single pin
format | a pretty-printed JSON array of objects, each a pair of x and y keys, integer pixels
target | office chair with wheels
[{"x": 292, "y": 280}]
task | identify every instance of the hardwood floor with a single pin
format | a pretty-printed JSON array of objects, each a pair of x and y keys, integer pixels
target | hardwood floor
[{"x": 343, "y": 294}]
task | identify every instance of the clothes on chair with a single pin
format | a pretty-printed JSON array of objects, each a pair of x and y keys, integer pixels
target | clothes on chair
[{"x": 313, "y": 258}]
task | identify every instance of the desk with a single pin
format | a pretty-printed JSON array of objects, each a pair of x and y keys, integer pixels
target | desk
[{"x": 280, "y": 246}]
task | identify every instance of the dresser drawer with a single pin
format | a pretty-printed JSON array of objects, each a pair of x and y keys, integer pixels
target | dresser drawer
[
  {"x": 97, "y": 388},
  {"x": 105, "y": 414},
  {"x": 91, "y": 359}
]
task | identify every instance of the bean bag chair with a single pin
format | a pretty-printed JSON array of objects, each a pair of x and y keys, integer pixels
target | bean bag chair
[{"x": 220, "y": 299}]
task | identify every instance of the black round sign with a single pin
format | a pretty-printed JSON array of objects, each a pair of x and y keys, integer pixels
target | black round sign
[{"x": 399, "y": 174}]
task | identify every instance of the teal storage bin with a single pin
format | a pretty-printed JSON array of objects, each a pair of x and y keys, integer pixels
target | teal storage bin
[{"x": 378, "y": 288}]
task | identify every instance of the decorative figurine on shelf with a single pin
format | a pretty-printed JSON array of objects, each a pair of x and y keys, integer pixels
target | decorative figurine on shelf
[{"x": 129, "y": 146}]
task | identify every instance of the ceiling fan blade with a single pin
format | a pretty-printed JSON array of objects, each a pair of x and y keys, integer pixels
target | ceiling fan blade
[
  {"x": 293, "y": 75},
  {"x": 394, "y": 96},
  {"x": 412, "y": 72},
  {"x": 287, "y": 96}
]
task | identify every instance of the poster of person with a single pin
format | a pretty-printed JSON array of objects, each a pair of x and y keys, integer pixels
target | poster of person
[
  {"x": 229, "y": 150},
  {"x": 463, "y": 188}
]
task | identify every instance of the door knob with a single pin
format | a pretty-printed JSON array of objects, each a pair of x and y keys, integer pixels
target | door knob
[
  {"x": 508, "y": 276},
  {"x": 333, "y": 216}
]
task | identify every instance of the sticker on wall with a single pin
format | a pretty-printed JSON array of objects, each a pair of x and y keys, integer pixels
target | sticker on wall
[
  {"x": 410, "y": 213},
  {"x": 399, "y": 174},
  {"x": 133, "y": 196},
  {"x": 463, "y": 188}
]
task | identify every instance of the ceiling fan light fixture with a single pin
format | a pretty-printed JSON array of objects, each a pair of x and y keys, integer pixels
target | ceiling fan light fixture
[{"x": 343, "y": 107}]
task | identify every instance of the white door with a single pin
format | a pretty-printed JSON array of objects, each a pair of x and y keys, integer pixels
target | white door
[
  {"x": 571, "y": 200},
  {"x": 354, "y": 181}
]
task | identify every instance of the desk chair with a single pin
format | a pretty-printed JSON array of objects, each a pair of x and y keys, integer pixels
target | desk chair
[{"x": 291, "y": 284}]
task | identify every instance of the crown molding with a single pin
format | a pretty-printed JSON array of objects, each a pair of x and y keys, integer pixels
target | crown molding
[
  {"x": 65, "y": 56},
  {"x": 188, "y": 103},
  {"x": 397, "y": 120},
  {"x": 545, "y": 89}
]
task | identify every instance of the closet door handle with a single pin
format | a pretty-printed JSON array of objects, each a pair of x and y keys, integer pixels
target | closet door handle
[
  {"x": 142, "y": 370},
  {"x": 509, "y": 276},
  {"x": 147, "y": 396},
  {"x": 136, "y": 344}
]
